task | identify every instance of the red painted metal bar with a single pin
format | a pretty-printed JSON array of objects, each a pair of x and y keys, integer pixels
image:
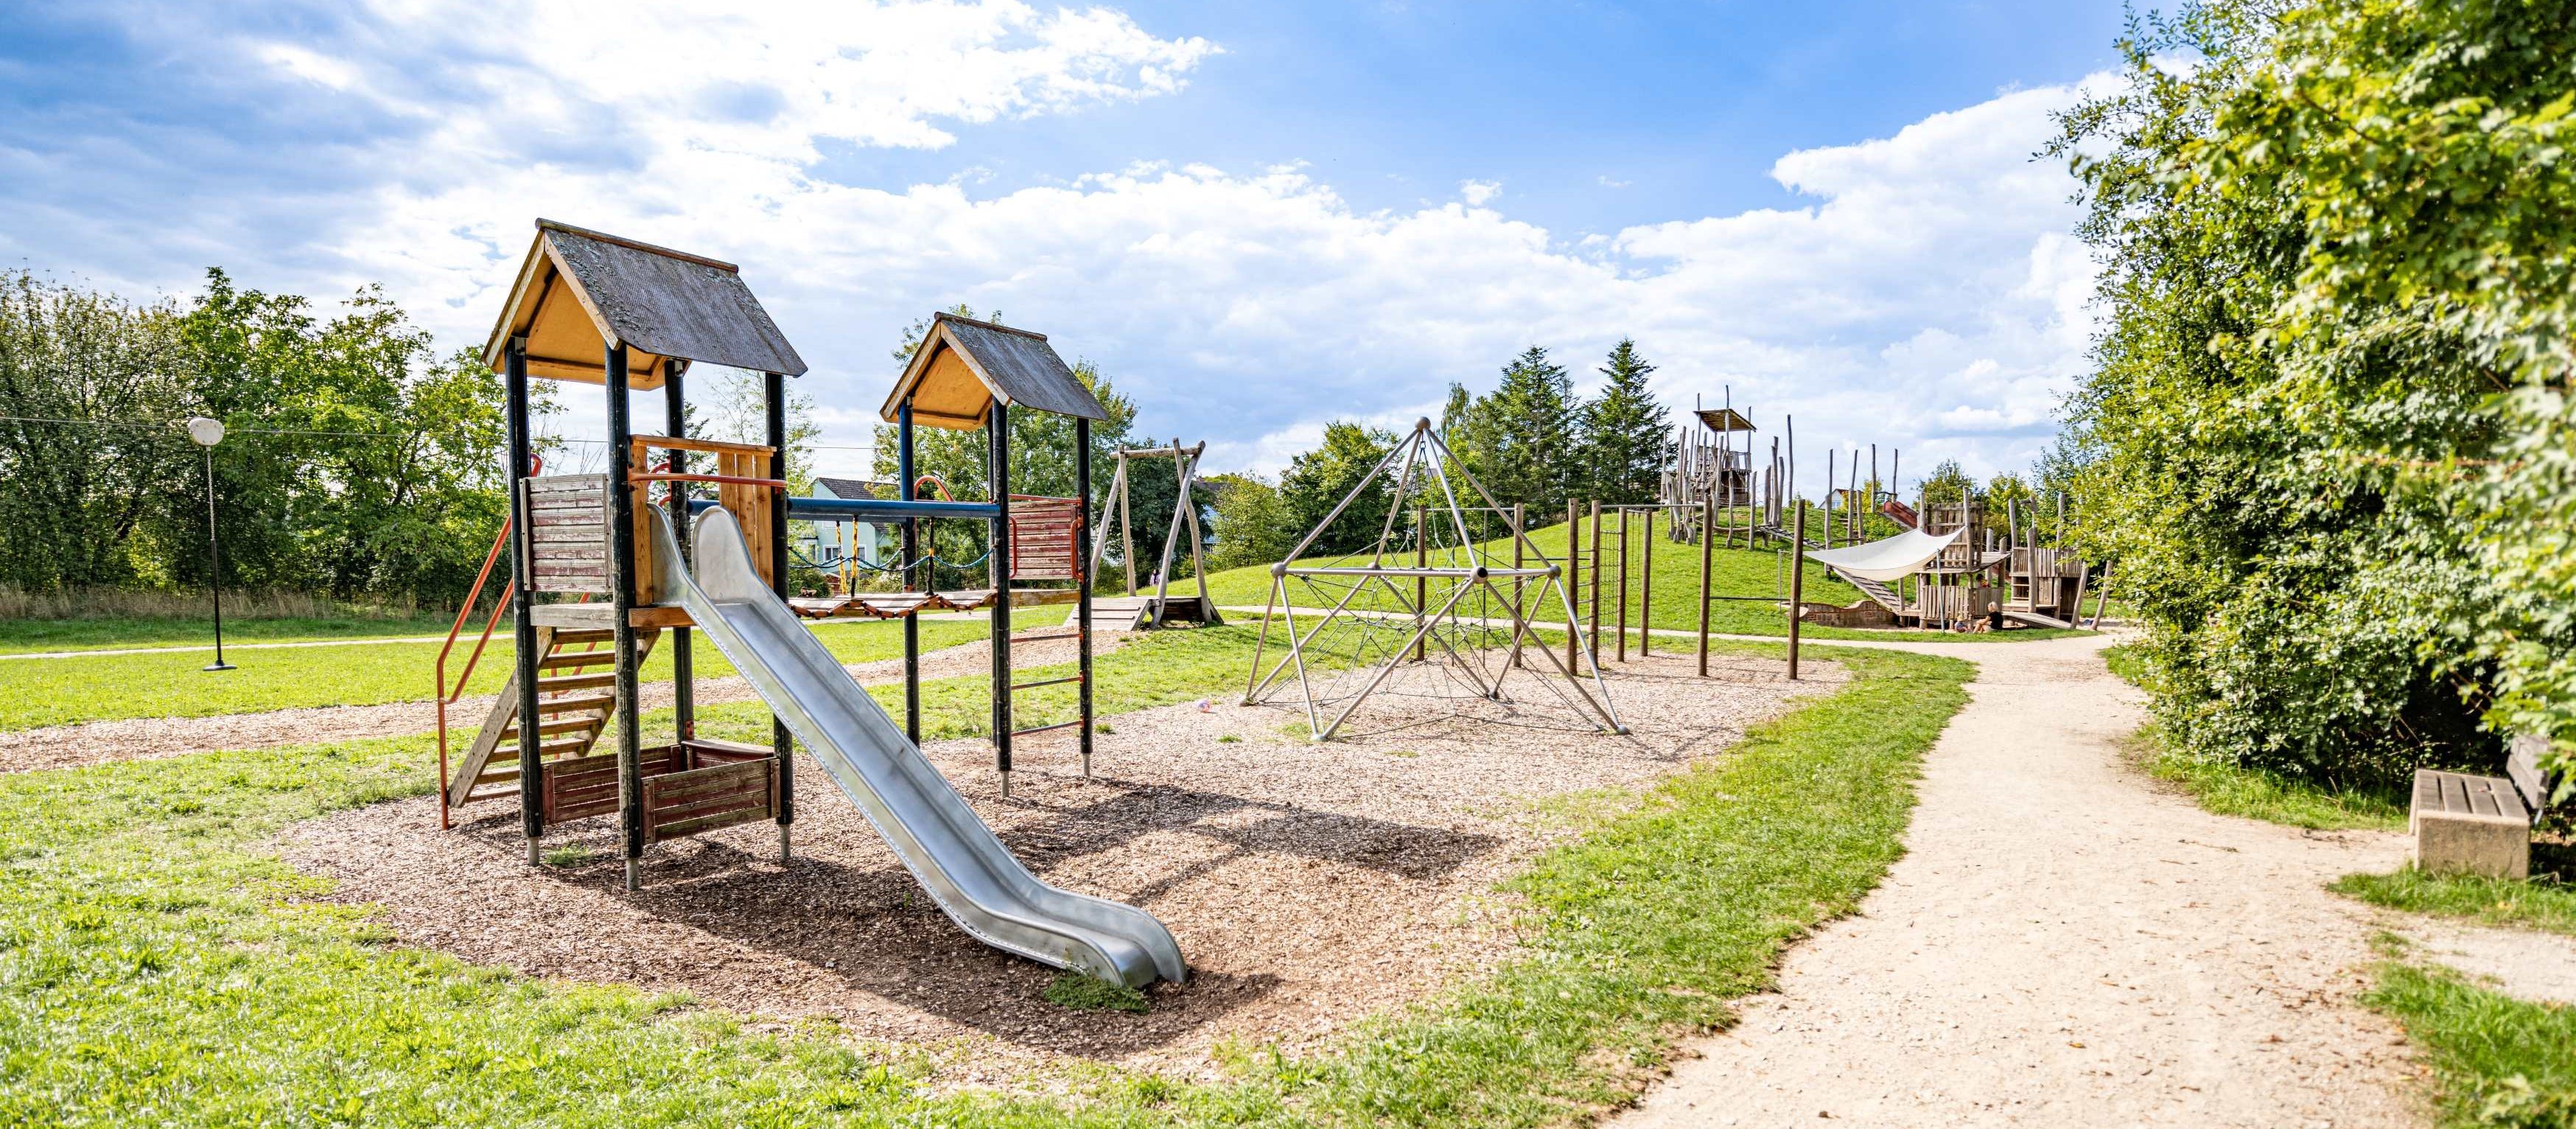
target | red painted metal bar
[{"x": 723, "y": 479}]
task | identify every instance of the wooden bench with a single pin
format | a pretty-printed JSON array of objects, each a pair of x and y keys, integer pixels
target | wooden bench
[{"x": 2480, "y": 824}]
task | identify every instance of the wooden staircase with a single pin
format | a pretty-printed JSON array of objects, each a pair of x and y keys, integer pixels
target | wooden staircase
[
  {"x": 1878, "y": 592},
  {"x": 576, "y": 684}
]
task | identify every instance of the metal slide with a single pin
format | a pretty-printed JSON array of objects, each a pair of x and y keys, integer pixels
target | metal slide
[{"x": 949, "y": 850}]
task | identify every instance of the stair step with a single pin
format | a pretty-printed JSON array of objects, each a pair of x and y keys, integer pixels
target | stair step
[
  {"x": 503, "y": 794},
  {"x": 510, "y": 753},
  {"x": 576, "y": 682},
  {"x": 549, "y": 729},
  {"x": 568, "y": 705},
  {"x": 562, "y": 660},
  {"x": 569, "y": 635}
]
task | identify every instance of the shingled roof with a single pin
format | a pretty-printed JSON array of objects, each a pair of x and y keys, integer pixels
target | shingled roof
[
  {"x": 964, "y": 365},
  {"x": 581, "y": 290}
]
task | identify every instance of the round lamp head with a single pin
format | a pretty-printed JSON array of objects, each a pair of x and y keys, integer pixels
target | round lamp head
[{"x": 207, "y": 432}]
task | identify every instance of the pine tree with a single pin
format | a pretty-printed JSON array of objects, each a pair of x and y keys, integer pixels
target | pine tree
[
  {"x": 1523, "y": 435},
  {"x": 1626, "y": 437}
]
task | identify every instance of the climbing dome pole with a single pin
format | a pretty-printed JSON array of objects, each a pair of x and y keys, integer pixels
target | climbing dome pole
[{"x": 1449, "y": 635}]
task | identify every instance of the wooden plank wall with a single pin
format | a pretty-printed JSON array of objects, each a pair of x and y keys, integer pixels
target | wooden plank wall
[
  {"x": 750, "y": 505},
  {"x": 568, "y": 531}
]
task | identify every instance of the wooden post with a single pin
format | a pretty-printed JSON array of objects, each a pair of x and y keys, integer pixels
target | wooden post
[
  {"x": 1592, "y": 611},
  {"x": 997, "y": 437},
  {"x": 1082, "y": 582},
  {"x": 1421, "y": 584},
  {"x": 621, "y": 600},
  {"x": 782, "y": 744},
  {"x": 675, "y": 423},
  {"x": 523, "y": 627},
  {"x": 1519, "y": 532},
  {"x": 1707, "y": 563},
  {"x": 1572, "y": 577},
  {"x": 1797, "y": 586},
  {"x": 1623, "y": 584},
  {"x": 911, "y": 568},
  {"x": 1646, "y": 593}
]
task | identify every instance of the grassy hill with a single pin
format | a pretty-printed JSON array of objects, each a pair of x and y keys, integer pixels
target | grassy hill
[{"x": 1737, "y": 572}]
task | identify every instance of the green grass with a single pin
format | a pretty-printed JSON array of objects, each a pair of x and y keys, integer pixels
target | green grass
[
  {"x": 159, "y": 965},
  {"x": 2226, "y": 789},
  {"x": 2253, "y": 793},
  {"x": 1734, "y": 572},
  {"x": 2499, "y": 1061},
  {"x": 1091, "y": 993},
  {"x": 20, "y": 636},
  {"x": 39, "y": 692},
  {"x": 2546, "y": 904}
]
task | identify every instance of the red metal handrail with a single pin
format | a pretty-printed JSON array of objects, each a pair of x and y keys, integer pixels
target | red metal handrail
[{"x": 441, "y": 695}]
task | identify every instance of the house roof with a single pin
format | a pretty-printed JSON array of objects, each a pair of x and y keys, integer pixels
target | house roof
[
  {"x": 579, "y": 291},
  {"x": 853, "y": 488},
  {"x": 964, "y": 366},
  {"x": 1724, "y": 420}
]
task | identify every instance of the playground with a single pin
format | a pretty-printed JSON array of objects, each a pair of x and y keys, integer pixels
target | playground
[
  {"x": 1453, "y": 814},
  {"x": 1313, "y": 883}
]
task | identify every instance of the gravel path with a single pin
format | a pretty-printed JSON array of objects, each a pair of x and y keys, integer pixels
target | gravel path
[
  {"x": 98, "y": 742},
  {"x": 2065, "y": 944}
]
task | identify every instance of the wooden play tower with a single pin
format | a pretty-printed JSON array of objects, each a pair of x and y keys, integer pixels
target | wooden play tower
[{"x": 598, "y": 309}]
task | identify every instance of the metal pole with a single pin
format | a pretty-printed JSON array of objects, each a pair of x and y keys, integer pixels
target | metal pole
[
  {"x": 215, "y": 564},
  {"x": 782, "y": 744},
  {"x": 523, "y": 627},
  {"x": 997, "y": 431},
  {"x": 1797, "y": 586},
  {"x": 1082, "y": 584},
  {"x": 621, "y": 602},
  {"x": 911, "y": 569}
]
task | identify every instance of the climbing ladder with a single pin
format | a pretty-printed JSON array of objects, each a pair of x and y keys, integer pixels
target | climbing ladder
[{"x": 574, "y": 700}]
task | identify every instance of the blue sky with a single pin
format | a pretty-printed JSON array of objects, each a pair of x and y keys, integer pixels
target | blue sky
[{"x": 1254, "y": 218}]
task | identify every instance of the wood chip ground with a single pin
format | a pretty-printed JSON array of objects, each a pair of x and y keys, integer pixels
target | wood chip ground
[{"x": 1308, "y": 884}]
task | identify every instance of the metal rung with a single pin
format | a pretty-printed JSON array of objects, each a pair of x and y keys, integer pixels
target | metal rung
[
  {"x": 1044, "y": 728},
  {"x": 1044, "y": 638},
  {"x": 1046, "y": 682}
]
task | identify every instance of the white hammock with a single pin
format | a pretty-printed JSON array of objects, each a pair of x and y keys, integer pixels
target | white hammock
[{"x": 1886, "y": 560}]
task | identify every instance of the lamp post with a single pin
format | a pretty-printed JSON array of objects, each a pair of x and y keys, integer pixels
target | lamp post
[{"x": 207, "y": 433}]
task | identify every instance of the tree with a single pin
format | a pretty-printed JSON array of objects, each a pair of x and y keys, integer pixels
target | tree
[
  {"x": 1253, "y": 523},
  {"x": 1318, "y": 480},
  {"x": 2327, "y": 439},
  {"x": 1626, "y": 438},
  {"x": 1523, "y": 435},
  {"x": 1948, "y": 482}
]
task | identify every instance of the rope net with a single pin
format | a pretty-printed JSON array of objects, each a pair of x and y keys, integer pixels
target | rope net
[{"x": 1421, "y": 621}]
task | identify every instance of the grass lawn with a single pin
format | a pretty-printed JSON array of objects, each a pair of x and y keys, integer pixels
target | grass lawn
[
  {"x": 20, "y": 636},
  {"x": 2546, "y": 903},
  {"x": 157, "y": 965},
  {"x": 1735, "y": 572},
  {"x": 38, "y": 692},
  {"x": 2499, "y": 1061},
  {"x": 2253, "y": 793}
]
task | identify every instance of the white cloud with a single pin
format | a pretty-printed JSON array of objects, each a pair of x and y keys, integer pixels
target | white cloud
[{"x": 1926, "y": 296}]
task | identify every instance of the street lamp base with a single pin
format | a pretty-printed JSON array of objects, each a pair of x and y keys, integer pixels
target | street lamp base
[{"x": 219, "y": 666}]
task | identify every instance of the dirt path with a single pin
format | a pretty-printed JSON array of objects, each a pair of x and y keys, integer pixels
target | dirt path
[
  {"x": 2064, "y": 944},
  {"x": 98, "y": 742}
]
